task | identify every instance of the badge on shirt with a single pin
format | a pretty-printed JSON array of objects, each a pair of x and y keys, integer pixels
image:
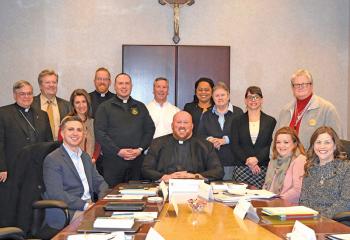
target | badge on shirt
[
  {"x": 312, "y": 122},
  {"x": 134, "y": 110}
]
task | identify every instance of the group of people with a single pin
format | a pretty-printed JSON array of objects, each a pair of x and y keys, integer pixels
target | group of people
[{"x": 210, "y": 139}]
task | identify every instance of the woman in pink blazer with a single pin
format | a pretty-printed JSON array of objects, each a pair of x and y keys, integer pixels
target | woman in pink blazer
[{"x": 285, "y": 172}]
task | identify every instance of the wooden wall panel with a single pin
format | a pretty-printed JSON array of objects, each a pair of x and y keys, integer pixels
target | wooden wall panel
[{"x": 144, "y": 64}]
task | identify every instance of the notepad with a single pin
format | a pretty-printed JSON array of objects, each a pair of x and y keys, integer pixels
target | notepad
[
  {"x": 144, "y": 192},
  {"x": 117, "y": 223},
  {"x": 290, "y": 212}
]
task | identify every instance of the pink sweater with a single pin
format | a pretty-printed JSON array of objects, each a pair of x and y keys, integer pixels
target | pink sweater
[{"x": 294, "y": 179}]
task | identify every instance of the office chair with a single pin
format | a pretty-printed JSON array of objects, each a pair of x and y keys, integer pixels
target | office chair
[
  {"x": 11, "y": 233},
  {"x": 28, "y": 190},
  {"x": 346, "y": 145}
]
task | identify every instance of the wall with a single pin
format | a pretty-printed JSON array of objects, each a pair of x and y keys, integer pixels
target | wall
[{"x": 269, "y": 40}]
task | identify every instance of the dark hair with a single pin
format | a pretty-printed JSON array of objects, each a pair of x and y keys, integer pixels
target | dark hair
[
  {"x": 203, "y": 79},
  {"x": 69, "y": 119},
  {"x": 287, "y": 130},
  {"x": 80, "y": 92},
  {"x": 253, "y": 90},
  {"x": 122, "y": 73},
  {"x": 311, "y": 155}
]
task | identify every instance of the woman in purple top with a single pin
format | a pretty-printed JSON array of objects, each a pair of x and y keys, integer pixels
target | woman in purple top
[{"x": 286, "y": 169}]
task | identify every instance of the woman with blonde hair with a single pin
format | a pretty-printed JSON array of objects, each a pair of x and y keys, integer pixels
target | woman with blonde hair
[{"x": 285, "y": 172}]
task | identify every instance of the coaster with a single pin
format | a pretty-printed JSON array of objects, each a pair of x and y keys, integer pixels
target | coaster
[{"x": 155, "y": 199}]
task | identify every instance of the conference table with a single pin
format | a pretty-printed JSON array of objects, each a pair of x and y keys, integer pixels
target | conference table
[{"x": 216, "y": 221}]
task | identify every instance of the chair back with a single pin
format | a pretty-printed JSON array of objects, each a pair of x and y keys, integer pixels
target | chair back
[
  {"x": 346, "y": 145},
  {"x": 11, "y": 233},
  {"x": 29, "y": 182}
]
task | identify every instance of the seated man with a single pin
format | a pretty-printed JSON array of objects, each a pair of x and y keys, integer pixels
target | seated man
[
  {"x": 180, "y": 155},
  {"x": 69, "y": 174}
]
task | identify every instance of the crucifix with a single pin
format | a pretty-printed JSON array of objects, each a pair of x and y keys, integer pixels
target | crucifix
[{"x": 176, "y": 4}]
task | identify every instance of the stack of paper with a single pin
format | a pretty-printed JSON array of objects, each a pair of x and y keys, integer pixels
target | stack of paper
[
  {"x": 110, "y": 222},
  {"x": 139, "y": 216},
  {"x": 99, "y": 236},
  {"x": 338, "y": 237},
  {"x": 144, "y": 192},
  {"x": 290, "y": 212},
  {"x": 227, "y": 198}
]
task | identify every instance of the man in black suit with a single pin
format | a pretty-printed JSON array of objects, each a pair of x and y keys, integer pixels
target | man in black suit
[
  {"x": 20, "y": 125},
  {"x": 56, "y": 108},
  {"x": 102, "y": 82}
]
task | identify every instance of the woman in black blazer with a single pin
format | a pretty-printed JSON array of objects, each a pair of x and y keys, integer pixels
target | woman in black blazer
[
  {"x": 202, "y": 101},
  {"x": 251, "y": 140},
  {"x": 215, "y": 126}
]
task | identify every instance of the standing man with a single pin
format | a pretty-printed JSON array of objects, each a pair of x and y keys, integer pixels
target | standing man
[
  {"x": 20, "y": 125},
  {"x": 161, "y": 111},
  {"x": 124, "y": 129},
  {"x": 69, "y": 174},
  {"x": 308, "y": 111},
  {"x": 102, "y": 82},
  {"x": 56, "y": 108}
]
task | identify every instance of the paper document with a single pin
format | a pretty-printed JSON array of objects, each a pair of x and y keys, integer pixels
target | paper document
[
  {"x": 338, "y": 237},
  {"x": 110, "y": 222},
  {"x": 286, "y": 211},
  {"x": 123, "y": 197},
  {"x": 144, "y": 192},
  {"x": 99, "y": 236},
  {"x": 140, "y": 216}
]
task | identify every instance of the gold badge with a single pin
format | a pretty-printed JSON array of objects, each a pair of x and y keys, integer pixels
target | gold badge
[
  {"x": 134, "y": 111},
  {"x": 312, "y": 122}
]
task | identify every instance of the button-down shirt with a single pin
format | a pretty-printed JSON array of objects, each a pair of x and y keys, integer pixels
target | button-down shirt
[
  {"x": 221, "y": 119},
  {"x": 56, "y": 113}
]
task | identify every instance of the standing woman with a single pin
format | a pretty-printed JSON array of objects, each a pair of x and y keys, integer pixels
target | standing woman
[
  {"x": 251, "y": 140},
  {"x": 285, "y": 172},
  {"x": 215, "y": 126},
  {"x": 81, "y": 105},
  {"x": 202, "y": 101},
  {"x": 326, "y": 185}
]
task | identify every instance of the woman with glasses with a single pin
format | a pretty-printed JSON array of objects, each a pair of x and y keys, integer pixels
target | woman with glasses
[
  {"x": 326, "y": 184},
  {"x": 285, "y": 172},
  {"x": 202, "y": 101},
  {"x": 215, "y": 126},
  {"x": 81, "y": 105},
  {"x": 251, "y": 140},
  {"x": 308, "y": 111}
]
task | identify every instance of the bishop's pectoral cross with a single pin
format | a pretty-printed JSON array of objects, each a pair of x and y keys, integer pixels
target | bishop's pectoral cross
[{"x": 176, "y": 8}]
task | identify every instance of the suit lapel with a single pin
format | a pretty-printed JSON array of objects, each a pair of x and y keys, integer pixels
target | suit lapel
[
  {"x": 69, "y": 162},
  {"x": 245, "y": 127},
  {"x": 261, "y": 127},
  {"x": 20, "y": 120},
  {"x": 87, "y": 166}
]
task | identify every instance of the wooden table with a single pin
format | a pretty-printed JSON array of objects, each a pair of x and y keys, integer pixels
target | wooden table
[{"x": 217, "y": 222}]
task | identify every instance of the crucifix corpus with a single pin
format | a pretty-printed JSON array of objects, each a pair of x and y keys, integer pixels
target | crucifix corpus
[{"x": 176, "y": 4}]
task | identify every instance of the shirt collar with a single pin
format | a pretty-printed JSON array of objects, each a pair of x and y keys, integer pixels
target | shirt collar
[
  {"x": 72, "y": 155},
  {"x": 230, "y": 108},
  {"x": 44, "y": 99},
  {"x": 158, "y": 104}
]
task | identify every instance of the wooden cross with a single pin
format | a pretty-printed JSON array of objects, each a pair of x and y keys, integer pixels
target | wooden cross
[{"x": 176, "y": 8}]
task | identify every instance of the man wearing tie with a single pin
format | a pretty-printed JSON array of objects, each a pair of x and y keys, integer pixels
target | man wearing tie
[
  {"x": 56, "y": 108},
  {"x": 20, "y": 125}
]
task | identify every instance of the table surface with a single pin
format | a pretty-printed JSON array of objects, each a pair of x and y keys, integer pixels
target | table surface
[{"x": 217, "y": 219}]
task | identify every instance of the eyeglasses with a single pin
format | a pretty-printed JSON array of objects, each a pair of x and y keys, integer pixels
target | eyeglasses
[
  {"x": 301, "y": 85},
  {"x": 102, "y": 79},
  {"x": 27, "y": 94},
  {"x": 253, "y": 97}
]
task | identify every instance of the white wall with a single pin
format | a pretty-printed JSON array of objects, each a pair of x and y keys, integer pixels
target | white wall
[{"x": 269, "y": 40}]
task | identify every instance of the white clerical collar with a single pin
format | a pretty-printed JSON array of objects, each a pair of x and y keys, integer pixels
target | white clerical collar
[
  {"x": 181, "y": 142},
  {"x": 26, "y": 110},
  {"x": 103, "y": 94},
  {"x": 123, "y": 100}
]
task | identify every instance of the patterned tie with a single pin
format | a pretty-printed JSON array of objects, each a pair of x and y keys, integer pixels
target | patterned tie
[{"x": 49, "y": 111}]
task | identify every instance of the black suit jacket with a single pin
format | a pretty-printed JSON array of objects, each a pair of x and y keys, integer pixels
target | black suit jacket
[
  {"x": 209, "y": 126},
  {"x": 242, "y": 145},
  {"x": 63, "y": 105},
  {"x": 14, "y": 135}
]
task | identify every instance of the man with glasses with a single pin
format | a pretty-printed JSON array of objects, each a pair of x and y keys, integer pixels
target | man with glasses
[
  {"x": 308, "y": 111},
  {"x": 56, "y": 108},
  {"x": 102, "y": 82},
  {"x": 20, "y": 125}
]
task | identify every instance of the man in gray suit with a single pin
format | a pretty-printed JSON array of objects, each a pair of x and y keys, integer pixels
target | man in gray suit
[
  {"x": 69, "y": 174},
  {"x": 56, "y": 108}
]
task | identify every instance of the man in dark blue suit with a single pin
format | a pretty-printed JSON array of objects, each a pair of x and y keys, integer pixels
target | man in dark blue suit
[
  {"x": 20, "y": 125},
  {"x": 69, "y": 174}
]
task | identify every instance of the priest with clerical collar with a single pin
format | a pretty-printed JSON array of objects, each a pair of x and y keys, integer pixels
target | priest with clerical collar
[{"x": 181, "y": 155}]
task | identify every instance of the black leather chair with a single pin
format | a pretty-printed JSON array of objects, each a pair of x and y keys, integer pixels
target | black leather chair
[
  {"x": 28, "y": 190},
  {"x": 346, "y": 145},
  {"x": 11, "y": 233},
  {"x": 344, "y": 217}
]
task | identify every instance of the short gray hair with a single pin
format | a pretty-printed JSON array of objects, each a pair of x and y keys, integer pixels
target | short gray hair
[{"x": 19, "y": 84}]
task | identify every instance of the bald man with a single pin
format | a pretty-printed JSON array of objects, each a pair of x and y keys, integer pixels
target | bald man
[{"x": 181, "y": 155}]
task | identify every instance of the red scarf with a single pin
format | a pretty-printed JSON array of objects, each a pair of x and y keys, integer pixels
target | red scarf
[{"x": 300, "y": 106}]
